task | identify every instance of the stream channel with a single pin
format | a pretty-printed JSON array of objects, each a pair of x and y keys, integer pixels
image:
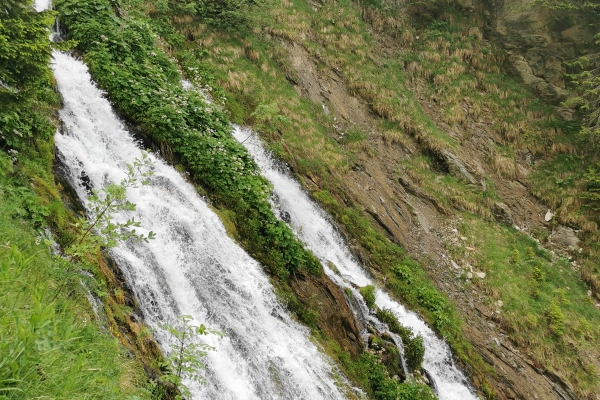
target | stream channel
[{"x": 194, "y": 268}]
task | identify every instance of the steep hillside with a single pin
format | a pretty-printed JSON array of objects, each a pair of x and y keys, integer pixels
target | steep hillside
[
  {"x": 431, "y": 131},
  {"x": 403, "y": 120}
]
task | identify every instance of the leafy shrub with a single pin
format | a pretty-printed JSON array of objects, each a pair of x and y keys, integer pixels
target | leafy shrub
[
  {"x": 24, "y": 73},
  {"x": 431, "y": 299},
  {"x": 415, "y": 351},
  {"x": 556, "y": 319},
  {"x": 403, "y": 272},
  {"x": 383, "y": 387},
  {"x": 144, "y": 84},
  {"x": 368, "y": 293},
  {"x": 185, "y": 358},
  {"x": 413, "y": 345}
]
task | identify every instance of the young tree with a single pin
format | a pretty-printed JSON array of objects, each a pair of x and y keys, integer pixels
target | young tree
[
  {"x": 588, "y": 85},
  {"x": 185, "y": 358},
  {"x": 104, "y": 205}
]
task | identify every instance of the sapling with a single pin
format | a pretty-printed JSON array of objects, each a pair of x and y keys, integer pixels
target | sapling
[
  {"x": 184, "y": 361},
  {"x": 103, "y": 205}
]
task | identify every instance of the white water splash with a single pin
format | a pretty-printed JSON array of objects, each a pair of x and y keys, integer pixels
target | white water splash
[
  {"x": 41, "y": 5},
  {"x": 311, "y": 224},
  {"x": 192, "y": 267}
]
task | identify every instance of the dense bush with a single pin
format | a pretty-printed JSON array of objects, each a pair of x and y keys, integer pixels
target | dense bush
[
  {"x": 368, "y": 293},
  {"x": 24, "y": 74},
  {"x": 144, "y": 84}
]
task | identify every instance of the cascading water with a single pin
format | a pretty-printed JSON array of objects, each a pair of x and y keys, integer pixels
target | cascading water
[
  {"x": 312, "y": 226},
  {"x": 192, "y": 267}
]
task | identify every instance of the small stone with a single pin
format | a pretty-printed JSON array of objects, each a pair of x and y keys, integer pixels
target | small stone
[
  {"x": 480, "y": 275},
  {"x": 500, "y": 303},
  {"x": 454, "y": 264},
  {"x": 463, "y": 238},
  {"x": 469, "y": 248},
  {"x": 454, "y": 230},
  {"x": 589, "y": 293},
  {"x": 469, "y": 275},
  {"x": 548, "y": 216}
]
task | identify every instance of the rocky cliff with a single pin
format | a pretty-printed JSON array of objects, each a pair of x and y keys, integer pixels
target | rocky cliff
[{"x": 538, "y": 41}]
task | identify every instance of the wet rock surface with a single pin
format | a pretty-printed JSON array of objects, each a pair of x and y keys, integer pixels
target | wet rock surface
[{"x": 335, "y": 316}]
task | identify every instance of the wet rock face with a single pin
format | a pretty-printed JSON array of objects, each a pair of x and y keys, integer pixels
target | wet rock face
[{"x": 335, "y": 316}]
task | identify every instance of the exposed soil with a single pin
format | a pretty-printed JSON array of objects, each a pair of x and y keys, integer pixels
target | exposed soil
[{"x": 421, "y": 225}]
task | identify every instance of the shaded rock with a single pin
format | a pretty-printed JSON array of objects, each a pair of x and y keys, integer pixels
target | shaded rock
[
  {"x": 526, "y": 73},
  {"x": 335, "y": 316},
  {"x": 554, "y": 71},
  {"x": 457, "y": 168},
  {"x": 502, "y": 213},
  {"x": 536, "y": 61}
]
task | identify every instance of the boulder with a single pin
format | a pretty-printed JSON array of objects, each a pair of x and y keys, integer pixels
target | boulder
[
  {"x": 335, "y": 316},
  {"x": 502, "y": 213},
  {"x": 457, "y": 168}
]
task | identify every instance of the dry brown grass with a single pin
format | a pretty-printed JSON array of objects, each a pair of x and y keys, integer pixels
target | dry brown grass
[
  {"x": 476, "y": 32},
  {"x": 373, "y": 17},
  {"x": 564, "y": 148},
  {"x": 236, "y": 80},
  {"x": 182, "y": 19},
  {"x": 431, "y": 56},
  {"x": 455, "y": 70},
  {"x": 463, "y": 54},
  {"x": 252, "y": 54},
  {"x": 503, "y": 166},
  {"x": 395, "y": 137},
  {"x": 454, "y": 115}
]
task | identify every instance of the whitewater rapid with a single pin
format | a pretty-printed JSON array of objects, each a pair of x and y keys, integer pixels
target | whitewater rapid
[
  {"x": 312, "y": 225},
  {"x": 192, "y": 267}
]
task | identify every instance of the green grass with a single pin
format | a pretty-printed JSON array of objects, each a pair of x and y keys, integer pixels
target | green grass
[
  {"x": 249, "y": 74},
  {"x": 545, "y": 305},
  {"x": 50, "y": 343}
]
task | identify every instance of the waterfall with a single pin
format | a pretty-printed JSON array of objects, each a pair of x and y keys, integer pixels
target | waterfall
[
  {"x": 192, "y": 267},
  {"x": 311, "y": 224}
]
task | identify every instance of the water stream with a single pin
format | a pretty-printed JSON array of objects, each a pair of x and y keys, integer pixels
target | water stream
[
  {"x": 192, "y": 267},
  {"x": 312, "y": 225}
]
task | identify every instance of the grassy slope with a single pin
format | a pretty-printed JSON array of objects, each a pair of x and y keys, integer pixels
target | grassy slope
[
  {"x": 51, "y": 344},
  {"x": 449, "y": 62}
]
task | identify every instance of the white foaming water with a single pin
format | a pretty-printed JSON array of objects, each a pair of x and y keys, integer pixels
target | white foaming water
[
  {"x": 311, "y": 225},
  {"x": 41, "y": 5},
  {"x": 192, "y": 267}
]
